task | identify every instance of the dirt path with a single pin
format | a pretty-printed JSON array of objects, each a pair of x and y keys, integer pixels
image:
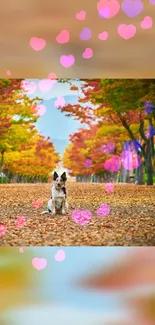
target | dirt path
[{"x": 131, "y": 221}]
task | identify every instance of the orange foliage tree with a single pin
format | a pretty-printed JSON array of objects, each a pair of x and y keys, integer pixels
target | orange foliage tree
[
  {"x": 126, "y": 103},
  {"x": 85, "y": 154}
]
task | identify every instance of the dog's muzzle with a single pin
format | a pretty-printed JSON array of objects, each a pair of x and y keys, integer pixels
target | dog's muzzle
[{"x": 58, "y": 187}]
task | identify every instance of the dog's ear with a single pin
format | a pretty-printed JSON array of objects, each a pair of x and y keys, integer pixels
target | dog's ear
[
  {"x": 64, "y": 177},
  {"x": 55, "y": 176}
]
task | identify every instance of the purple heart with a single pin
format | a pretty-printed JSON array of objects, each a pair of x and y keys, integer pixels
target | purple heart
[
  {"x": 86, "y": 34},
  {"x": 150, "y": 132},
  {"x": 132, "y": 8},
  {"x": 104, "y": 13},
  {"x": 152, "y": 2},
  {"x": 149, "y": 107},
  {"x": 130, "y": 161}
]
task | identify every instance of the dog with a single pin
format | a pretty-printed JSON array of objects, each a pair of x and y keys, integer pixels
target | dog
[{"x": 58, "y": 203}]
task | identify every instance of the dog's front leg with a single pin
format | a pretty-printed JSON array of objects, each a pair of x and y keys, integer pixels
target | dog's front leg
[
  {"x": 53, "y": 208},
  {"x": 63, "y": 206},
  {"x": 66, "y": 205}
]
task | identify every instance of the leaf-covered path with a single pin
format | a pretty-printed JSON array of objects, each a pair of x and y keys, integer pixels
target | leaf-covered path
[{"x": 131, "y": 221}]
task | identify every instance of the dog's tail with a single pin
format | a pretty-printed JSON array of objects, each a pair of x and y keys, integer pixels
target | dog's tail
[{"x": 45, "y": 212}]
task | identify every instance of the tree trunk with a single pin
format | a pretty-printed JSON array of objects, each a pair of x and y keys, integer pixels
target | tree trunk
[
  {"x": 149, "y": 170},
  {"x": 139, "y": 175},
  {"x": 124, "y": 175},
  {"x": 149, "y": 148},
  {"x": 149, "y": 165},
  {"x": 83, "y": 178},
  {"x": 2, "y": 161}
]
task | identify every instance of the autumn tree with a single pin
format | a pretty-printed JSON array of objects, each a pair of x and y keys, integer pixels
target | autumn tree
[
  {"x": 34, "y": 161},
  {"x": 74, "y": 158},
  {"x": 88, "y": 151},
  {"x": 124, "y": 102},
  {"x": 16, "y": 117},
  {"x": 28, "y": 155},
  {"x": 130, "y": 102}
]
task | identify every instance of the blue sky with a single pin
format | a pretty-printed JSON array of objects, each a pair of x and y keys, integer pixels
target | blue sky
[{"x": 54, "y": 123}]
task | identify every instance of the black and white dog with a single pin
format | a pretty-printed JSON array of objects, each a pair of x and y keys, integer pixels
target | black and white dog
[{"x": 58, "y": 203}]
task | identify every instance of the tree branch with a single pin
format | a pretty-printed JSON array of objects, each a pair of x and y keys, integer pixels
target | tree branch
[
  {"x": 141, "y": 129},
  {"x": 127, "y": 127},
  {"x": 113, "y": 120}
]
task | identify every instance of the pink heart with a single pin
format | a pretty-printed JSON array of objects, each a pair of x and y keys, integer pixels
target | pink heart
[
  {"x": 8, "y": 72},
  {"x": 88, "y": 163},
  {"x": 46, "y": 85},
  {"x": 146, "y": 23},
  {"x": 103, "y": 210},
  {"x": 126, "y": 31},
  {"x": 109, "y": 8},
  {"x": 104, "y": 13},
  {"x": 60, "y": 256},
  {"x": 37, "y": 204},
  {"x": 60, "y": 102},
  {"x": 21, "y": 249},
  {"x": 53, "y": 77},
  {"x": 103, "y": 36},
  {"x": 81, "y": 15},
  {"x": 109, "y": 188},
  {"x": 113, "y": 164},
  {"x": 39, "y": 263},
  {"x": 81, "y": 217},
  {"x": 20, "y": 222},
  {"x": 67, "y": 60},
  {"x": 37, "y": 44},
  {"x": 29, "y": 87},
  {"x": 88, "y": 53},
  {"x": 41, "y": 110},
  {"x": 63, "y": 37},
  {"x": 3, "y": 230}
]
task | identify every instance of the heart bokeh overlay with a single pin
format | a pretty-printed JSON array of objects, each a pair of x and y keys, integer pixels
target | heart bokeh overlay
[
  {"x": 87, "y": 31},
  {"x": 106, "y": 9},
  {"x": 40, "y": 263}
]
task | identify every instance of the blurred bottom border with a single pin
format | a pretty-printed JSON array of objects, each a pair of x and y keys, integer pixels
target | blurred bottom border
[{"x": 89, "y": 285}]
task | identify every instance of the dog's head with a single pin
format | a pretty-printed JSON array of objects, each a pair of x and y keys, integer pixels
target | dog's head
[{"x": 59, "y": 180}]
